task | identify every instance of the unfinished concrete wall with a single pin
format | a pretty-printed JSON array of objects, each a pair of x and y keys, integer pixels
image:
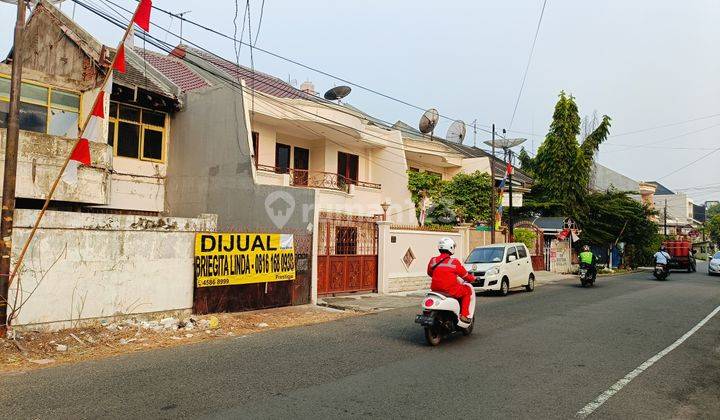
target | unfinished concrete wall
[
  {"x": 210, "y": 169},
  {"x": 88, "y": 266},
  {"x": 40, "y": 157}
]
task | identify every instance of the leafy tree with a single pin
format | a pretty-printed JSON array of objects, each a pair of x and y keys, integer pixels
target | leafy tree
[
  {"x": 614, "y": 216},
  {"x": 562, "y": 167},
  {"x": 423, "y": 184},
  {"x": 465, "y": 196},
  {"x": 526, "y": 236},
  {"x": 470, "y": 196},
  {"x": 713, "y": 226}
]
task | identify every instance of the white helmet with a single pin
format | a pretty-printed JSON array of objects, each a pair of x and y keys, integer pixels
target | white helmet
[{"x": 446, "y": 244}]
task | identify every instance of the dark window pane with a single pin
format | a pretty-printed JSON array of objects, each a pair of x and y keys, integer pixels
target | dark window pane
[
  {"x": 152, "y": 144},
  {"x": 66, "y": 99},
  {"x": 63, "y": 123},
  {"x": 129, "y": 113},
  {"x": 282, "y": 157},
  {"x": 348, "y": 166},
  {"x": 128, "y": 140},
  {"x": 33, "y": 93},
  {"x": 153, "y": 118},
  {"x": 4, "y": 87},
  {"x": 4, "y": 113},
  {"x": 113, "y": 109},
  {"x": 353, "y": 167},
  {"x": 33, "y": 117},
  {"x": 256, "y": 146},
  {"x": 521, "y": 252},
  {"x": 111, "y": 133}
]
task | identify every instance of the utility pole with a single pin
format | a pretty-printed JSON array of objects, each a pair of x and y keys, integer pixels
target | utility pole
[
  {"x": 510, "y": 207},
  {"x": 474, "y": 133},
  {"x": 10, "y": 175},
  {"x": 492, "y": 189},
  {"x": 665, "y": 220}
]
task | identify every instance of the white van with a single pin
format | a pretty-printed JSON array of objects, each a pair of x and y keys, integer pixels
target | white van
[{"x": 501, "y": 267}]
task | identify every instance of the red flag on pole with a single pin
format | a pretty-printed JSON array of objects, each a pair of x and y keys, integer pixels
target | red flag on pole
[
  {"x": 80, "y": 156},
  {"x": 142, "y": 16},
  {"x": 99, "y": 108},
  {"x": 119, "y": 63}
]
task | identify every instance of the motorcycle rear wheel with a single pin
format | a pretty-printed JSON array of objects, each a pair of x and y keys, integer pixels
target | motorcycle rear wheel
[
  {"x": 433, "y": 336},
  {"x": 467, "y": 331}
]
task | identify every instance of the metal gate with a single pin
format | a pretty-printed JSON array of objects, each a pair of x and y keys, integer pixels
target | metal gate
[
  {"x": 248, "y": 297},
  {"x": 347, "y": 253}
]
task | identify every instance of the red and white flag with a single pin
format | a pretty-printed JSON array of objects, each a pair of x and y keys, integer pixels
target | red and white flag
[
  {"x": 93, "y": 132},
  {"x": 142, "y": 15},
  {"x": 119, "y": 62},
  {"x": 80, "y": 156}
]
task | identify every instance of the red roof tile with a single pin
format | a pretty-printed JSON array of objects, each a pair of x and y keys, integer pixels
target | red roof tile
[
  {"x": 253, "y": 79},
  {"x": 175, "y": 70}
]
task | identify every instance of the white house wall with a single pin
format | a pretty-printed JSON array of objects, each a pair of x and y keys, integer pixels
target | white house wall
[{"x": 89, "y": 266}]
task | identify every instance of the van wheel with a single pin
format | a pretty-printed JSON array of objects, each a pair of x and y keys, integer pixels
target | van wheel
[
  {"x": 531, "y": 283},
  {"x": 504, "y": 287},
  {"x": 432, "y": 336}
]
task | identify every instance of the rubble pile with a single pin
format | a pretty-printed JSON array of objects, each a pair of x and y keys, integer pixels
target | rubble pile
[{"x": 29, "y": 349}]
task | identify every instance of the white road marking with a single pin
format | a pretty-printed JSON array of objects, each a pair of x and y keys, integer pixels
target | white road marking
[{"x": 591, "y": 407}]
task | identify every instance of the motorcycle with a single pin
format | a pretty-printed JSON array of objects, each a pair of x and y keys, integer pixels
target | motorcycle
[
  {"x": 586, "y": 277},
  {"x": 661, "y": 271},
  {"x": 441, "y": 316}
]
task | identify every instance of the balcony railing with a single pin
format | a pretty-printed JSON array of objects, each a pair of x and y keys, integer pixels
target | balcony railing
[{"x": 317, "y": 179}]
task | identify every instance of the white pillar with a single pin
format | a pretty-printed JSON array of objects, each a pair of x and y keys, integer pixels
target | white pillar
[{"x": 383, "y": 245}]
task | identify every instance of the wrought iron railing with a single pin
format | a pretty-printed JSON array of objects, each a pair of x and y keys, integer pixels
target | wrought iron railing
[{"x": 318, "y": 179}]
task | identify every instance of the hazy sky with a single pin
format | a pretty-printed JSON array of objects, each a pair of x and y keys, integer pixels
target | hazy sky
[{"x": 645, "y": 63}]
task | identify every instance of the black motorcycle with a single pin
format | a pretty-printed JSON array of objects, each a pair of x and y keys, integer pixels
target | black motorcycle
[
  {"x": 587, "y": 276},
  {"x": 661, "y": 271}
]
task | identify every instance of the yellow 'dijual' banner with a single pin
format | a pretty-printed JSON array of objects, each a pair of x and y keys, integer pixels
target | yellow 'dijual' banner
[{"x": 223, "y": 259}]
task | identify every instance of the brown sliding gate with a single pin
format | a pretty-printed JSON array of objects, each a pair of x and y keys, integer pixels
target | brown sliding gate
[{"x": 347, "y": 253}]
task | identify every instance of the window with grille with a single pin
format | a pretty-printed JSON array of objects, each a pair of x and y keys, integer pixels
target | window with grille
[
  {"x": 137, "y": 133},
  {"x": 346, "y": 238}
]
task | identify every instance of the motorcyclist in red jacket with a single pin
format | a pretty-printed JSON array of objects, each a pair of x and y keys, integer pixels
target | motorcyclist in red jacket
[{"x": 445, "y": 270}]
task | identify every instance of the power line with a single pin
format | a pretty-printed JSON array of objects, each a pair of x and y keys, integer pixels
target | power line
[
  {"x": 308, "y": 67},
  {"x": 705, "y": 156},
  {"x": 654, "y": 143},
  {"x": 158, "y": 43},
  {"x": 527, "y": 67},
  {"x": 262, "y": 13},
  {"x": 241, "y": 42}
]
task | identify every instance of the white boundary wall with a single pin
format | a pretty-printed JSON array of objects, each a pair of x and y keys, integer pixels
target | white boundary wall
[
  {"x": 98, "y": 265},
  {"x": 393, "y": 274}
]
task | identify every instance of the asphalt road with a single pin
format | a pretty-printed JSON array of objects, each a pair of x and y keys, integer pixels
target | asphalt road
[{"x": 545, "y": 354}]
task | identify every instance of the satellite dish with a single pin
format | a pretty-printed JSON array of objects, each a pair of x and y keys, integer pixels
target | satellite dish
[
  {"x": 456, "y": 132},
  {"x": 337, "y": 93},
  {"x": 429, "y": 120}
]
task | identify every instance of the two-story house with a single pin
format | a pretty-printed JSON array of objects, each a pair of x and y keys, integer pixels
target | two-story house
[
  {"x": 63, "y": 66},
  {"x": 246, "y": 139}
]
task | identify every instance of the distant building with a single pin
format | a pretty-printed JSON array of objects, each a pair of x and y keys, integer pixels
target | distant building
[{"x": 604, "y": 178}]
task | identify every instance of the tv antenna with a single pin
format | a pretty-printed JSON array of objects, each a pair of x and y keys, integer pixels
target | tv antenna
[
  {"x": 456, "y": 132},
  {"x": 337, "y": 93},
  {"x": 428, "y": 121},
  {"x": 180, "y": 16}
]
